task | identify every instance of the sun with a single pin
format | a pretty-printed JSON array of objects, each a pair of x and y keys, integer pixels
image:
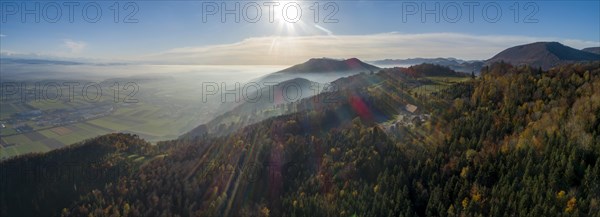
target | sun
[{"x": 287, "y": 15}]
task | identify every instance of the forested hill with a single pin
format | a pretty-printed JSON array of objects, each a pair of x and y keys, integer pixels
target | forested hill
[
  {"x": 516, "y": 142},
  {"x": 392, "y": 84},
  {"x": 40, "y": 184},
  {"x": 324, "y": 65},
  {"x": 543, "y": 54}
]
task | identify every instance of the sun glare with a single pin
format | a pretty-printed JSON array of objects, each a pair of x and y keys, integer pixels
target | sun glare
[{"x": 287, "y": 16}]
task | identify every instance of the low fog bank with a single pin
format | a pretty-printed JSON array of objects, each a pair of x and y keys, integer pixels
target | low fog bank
[{"x": 198, "y": 73}]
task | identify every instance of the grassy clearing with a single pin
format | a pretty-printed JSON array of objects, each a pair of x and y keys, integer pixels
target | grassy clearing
[
  {"x": 36, "y": 147},
  {"x": 439, "y": 84}
]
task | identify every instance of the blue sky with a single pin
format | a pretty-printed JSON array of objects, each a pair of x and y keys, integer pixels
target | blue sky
[{"x": 174, "y": 31}]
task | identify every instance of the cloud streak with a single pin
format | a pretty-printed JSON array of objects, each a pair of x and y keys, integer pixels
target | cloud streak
[
  {"x": 74, "y": 46},
  {"x": 290, "y": 50}
]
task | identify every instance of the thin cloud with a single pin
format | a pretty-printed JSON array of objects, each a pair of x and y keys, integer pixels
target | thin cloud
[
  {"x": 2, "y": 35},
  {"x": 324, "y": 30},
  {"x": 74, "y": 46},
  {"x": 290, "y": 50}
]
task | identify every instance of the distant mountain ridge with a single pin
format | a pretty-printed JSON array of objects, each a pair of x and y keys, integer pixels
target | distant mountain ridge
[
  {"x": 595, "y": 50},
  {"x": 39, "y": 61},
  {"x": 321, "y": 70},
  {"x": 542, "y": 54},
  {"x": 453, "y": 63},
  {"x": 419, "y": 60},
  {"x": 330, "y": 65}
]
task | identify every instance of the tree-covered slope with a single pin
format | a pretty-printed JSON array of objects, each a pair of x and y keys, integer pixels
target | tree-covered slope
[
  {"x": 41, "y": 184},
  {"x": 516, "y": 142}
]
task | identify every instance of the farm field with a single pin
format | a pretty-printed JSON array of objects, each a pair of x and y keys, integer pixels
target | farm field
[
  {"x": 153, "y": 122},
  {"x": 163, "y": 111}
]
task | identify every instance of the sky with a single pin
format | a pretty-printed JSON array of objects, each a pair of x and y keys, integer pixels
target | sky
[{"x": 274, "y": 32}]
